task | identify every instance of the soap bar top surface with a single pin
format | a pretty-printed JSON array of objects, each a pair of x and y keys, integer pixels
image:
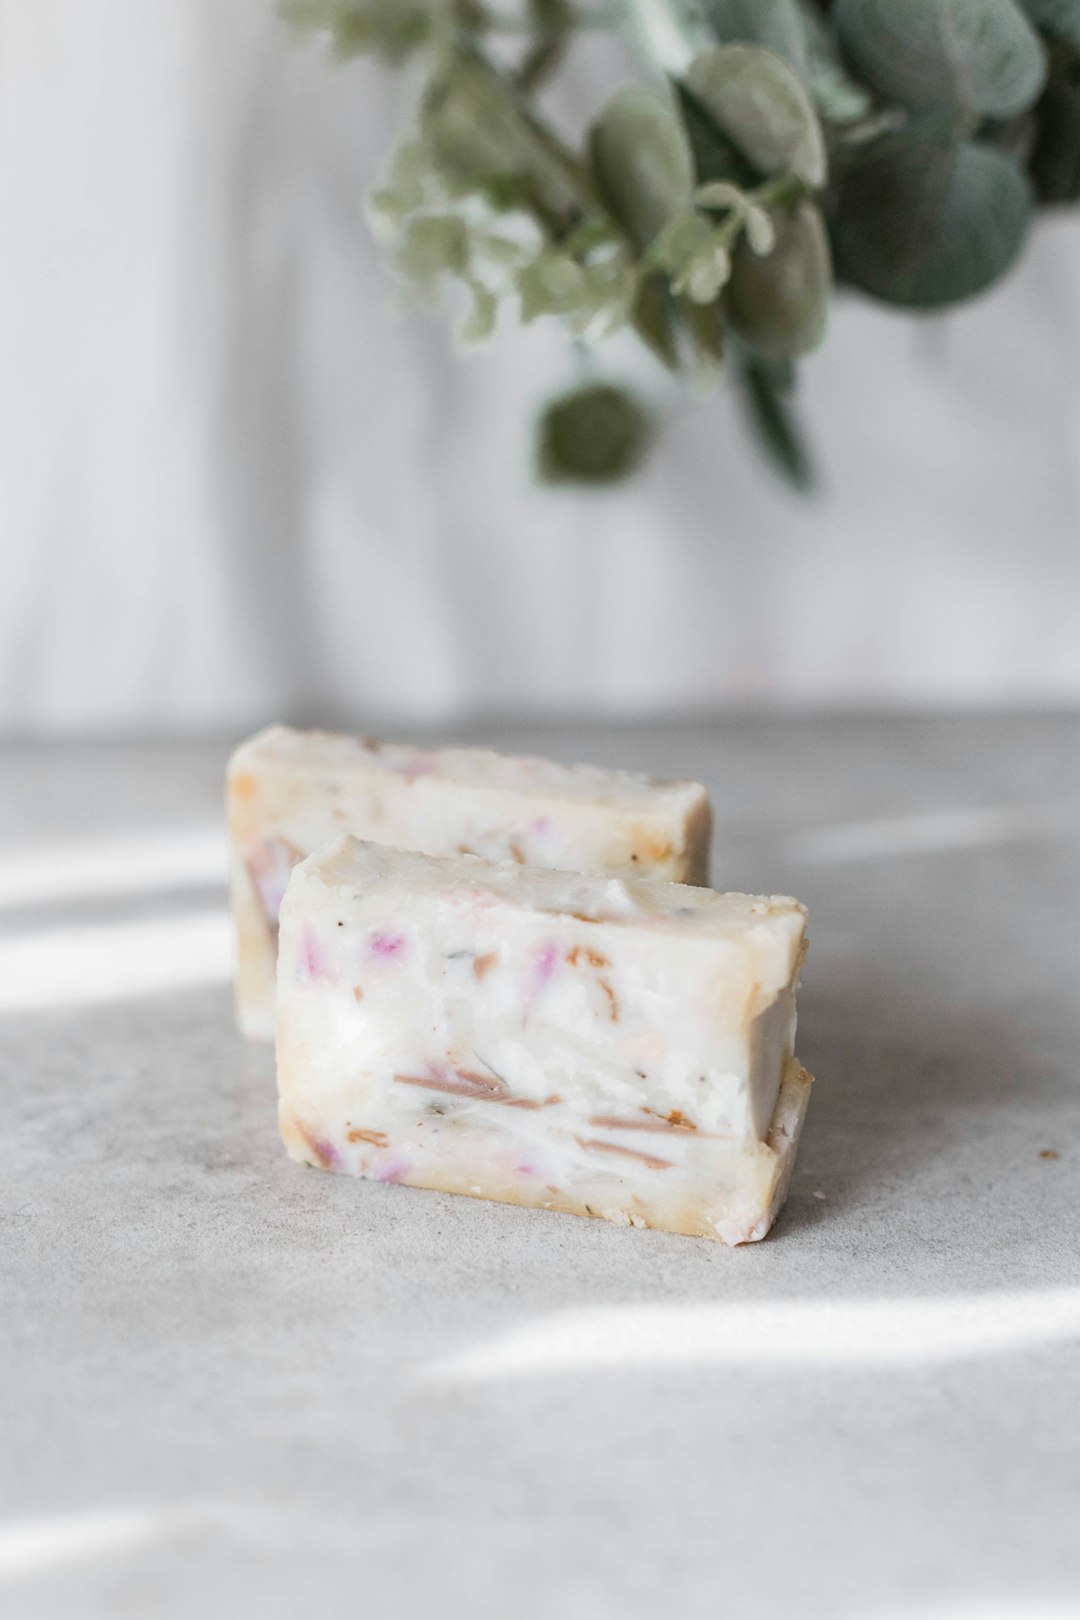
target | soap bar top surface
[
  {"x": 766, "y": 930},
  {"x": 353, "y": 759},
  {"x": 610, "y": 1046},
  {"x": 293, "y": 793}
]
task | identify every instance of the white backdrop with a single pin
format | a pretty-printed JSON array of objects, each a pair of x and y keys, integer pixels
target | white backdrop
[{"x": 234, "y": 483}]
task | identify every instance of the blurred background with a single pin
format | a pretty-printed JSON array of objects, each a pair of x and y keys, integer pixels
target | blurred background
[{"x": 236, "y": 483}]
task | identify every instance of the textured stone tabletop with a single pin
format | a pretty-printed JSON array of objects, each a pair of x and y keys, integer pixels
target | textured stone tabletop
[{"x": 234, "y": 1387}]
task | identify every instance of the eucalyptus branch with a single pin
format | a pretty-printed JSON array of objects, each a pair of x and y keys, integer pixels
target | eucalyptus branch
[{"x": 699, "y": 212}]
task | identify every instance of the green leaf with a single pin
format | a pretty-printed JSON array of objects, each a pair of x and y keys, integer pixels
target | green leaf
[
  {"x": 641, "y": 162},
  {"x": 392, "y": 29},
  {"x": 433, "y": 245},
  {"x": 1055, "y": 163},
  {"x": 1059, "y": 18},
  {"x": 766, "y": 391},
  {"x": 839, "y": 98},
  {"x": 596, "y": 435},
  {"x": 553, "y": 21},
  {"x": 553, "y": 284},
  {"x": 780, "y": 25},
  {"x": 795, "y": 30},
  {"x": 706, "y": 325},
  {"x": 482, "y": 138},
  {"x": 653, "y": 321},
  {"x": 756, "y": 100},
  {"x": 715, "y": 157},
  {"x": 778, "y": 304},
  {"x": 923, "y": 221},
  {"x": 695, "y": 256},
  {"x": 976, "y": 56}
]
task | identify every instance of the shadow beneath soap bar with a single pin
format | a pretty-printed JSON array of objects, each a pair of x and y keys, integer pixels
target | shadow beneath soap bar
[{"x": 941, "y": 1119}]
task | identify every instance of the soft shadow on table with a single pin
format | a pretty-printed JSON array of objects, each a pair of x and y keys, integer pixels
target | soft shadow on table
[{"x": 921, "y": 1105}]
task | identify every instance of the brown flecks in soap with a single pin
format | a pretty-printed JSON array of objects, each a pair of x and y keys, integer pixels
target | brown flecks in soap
[
  {"x": 516, "y": 852},
  {"x": 614, "y": 1122},
  {"x": 676, "y": 1119},
  {"x": 596, "y": 959},
  {"x": 482, "y": 965},
  {"x": 358, "y": 994},
  {"x": 244, "y": 786},
  {"x": 647, "y": 1159},
  {"x": 1049, "y": 1153},
  {"x": 465, "y": 849},
  {"x": 377, "y": 1139},
  {"x": 469, "y": 1083}
]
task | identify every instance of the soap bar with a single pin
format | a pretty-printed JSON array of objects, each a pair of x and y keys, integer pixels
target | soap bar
[
  {"x": 606, "y": 1046},
  {"x": 293, "y": 793}
]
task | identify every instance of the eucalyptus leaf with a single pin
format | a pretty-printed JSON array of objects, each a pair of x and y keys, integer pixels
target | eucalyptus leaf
[
  {"x": 838, "y": 97},
  {"x": 755, "y": 99},
  {"x": 975, "y": 56},
  {"x": 1055, "y": 163},
  {"x": 482, "y": 137},
  {"x": 780, "y": 25},
  {"x": 706, "y": 325},
  {"x": 553, "y": 22},
  {"x": 433, "y": 245},
  {"x": 1060, "y": 18},
  {"x": 596, "y": 435},
  {"x": 922, "y": 222},
  {"x": 715, "y": 156},
  {"x": 653, "y": 320},
  {"x": 767, "y": 391},
  {"x": 392, "y": 29},
  {"x": 641, "y": 162},
  {"x": 797, "y": 31},
  {"x": 779, "y": 304}
]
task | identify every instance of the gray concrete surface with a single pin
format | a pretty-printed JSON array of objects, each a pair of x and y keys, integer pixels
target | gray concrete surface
[{"x": 229, "y": 1386}]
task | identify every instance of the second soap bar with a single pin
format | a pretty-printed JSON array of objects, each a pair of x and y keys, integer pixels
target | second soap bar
[{"x": 293, "y": 793}]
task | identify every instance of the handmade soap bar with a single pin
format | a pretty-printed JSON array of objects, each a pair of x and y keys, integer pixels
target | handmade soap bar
[
  {"x": 611, "y": 1047},
  {"x": 293, "y": 793}
]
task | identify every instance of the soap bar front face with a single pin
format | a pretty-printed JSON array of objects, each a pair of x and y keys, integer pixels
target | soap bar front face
[
  {"x": 609, "y": 1047},
  {"x": 294, "y": 793}
]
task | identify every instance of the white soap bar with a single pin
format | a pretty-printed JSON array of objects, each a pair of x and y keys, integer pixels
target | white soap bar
[
  {"x": 293, "y": 793},
  {"x": 610, "y": 1047}
]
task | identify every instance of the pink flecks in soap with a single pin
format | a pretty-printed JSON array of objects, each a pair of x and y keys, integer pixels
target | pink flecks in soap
[
  {"x": 324, "y": 1152},
  {"x": 393, "y": 1169},
  {"x": 388, "y": 947},
  {"x": 419, "y": 764},
  {"x": 315, "y": 965},
  {"x": 540, "y": 827},
  {"x": 544, "y": 964},
  {"x": 270, "y": 865}
]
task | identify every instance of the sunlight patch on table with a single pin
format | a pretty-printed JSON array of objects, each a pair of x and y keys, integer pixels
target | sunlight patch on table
[
  {"x": 33, "y": 1546},
  {"x": 871, "y": 1333},
  {"x": 109, "y": 962},
  {"x": 933, "y": 832},
  {"x": 189, "y": 857}
]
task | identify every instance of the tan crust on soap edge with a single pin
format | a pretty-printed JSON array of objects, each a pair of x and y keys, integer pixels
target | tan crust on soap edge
[{"x": 743, "y": 1224}]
